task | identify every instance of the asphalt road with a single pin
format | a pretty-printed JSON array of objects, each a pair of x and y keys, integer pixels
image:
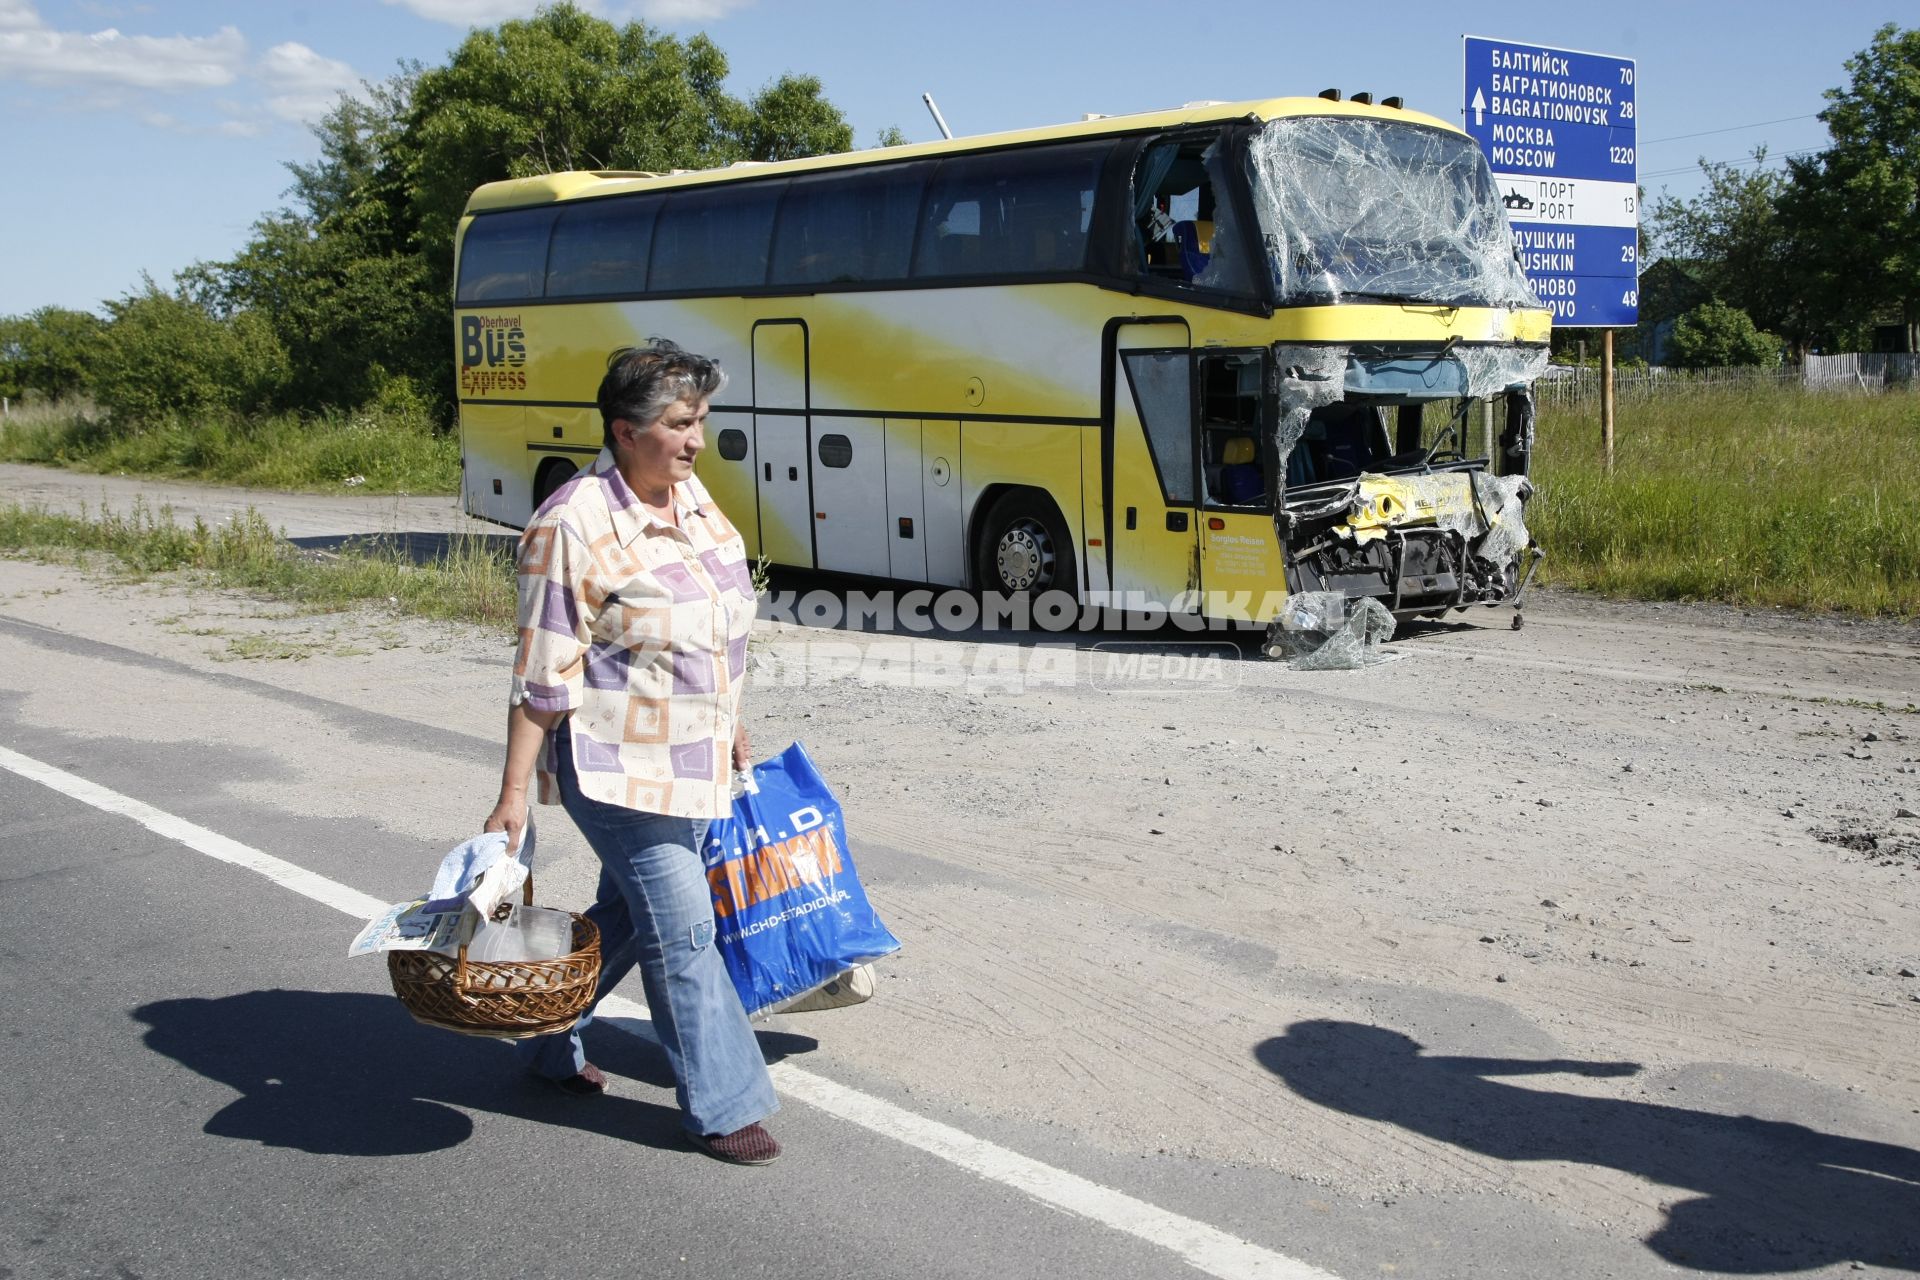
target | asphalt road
[
  {"x": 1070, "y": 1071},
  {"x": 200, "y": 1086}
]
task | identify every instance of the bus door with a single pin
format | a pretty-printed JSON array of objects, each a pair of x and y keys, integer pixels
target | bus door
[
  {"x": 496, "y": 469},
  {"x": 850, "y": 495},
  {"x": 1153, "y": 492},
  {"x": 780, "y": 442},
  {"x": 1241, "y": 567}
]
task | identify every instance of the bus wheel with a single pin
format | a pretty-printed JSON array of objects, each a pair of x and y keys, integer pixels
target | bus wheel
[
  {"x": 552, "y": 474},
  {"x": 1024, "y": 549}
]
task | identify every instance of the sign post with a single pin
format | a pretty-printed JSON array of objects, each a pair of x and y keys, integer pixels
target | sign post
[{"x": 1558, "y": 129}]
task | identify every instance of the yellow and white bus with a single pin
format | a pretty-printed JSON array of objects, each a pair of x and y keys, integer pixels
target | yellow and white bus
[{"x": 1196, "y": 359}]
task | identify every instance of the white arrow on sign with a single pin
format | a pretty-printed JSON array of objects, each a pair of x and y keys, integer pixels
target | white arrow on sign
[{"x": 1479, "y": 105}]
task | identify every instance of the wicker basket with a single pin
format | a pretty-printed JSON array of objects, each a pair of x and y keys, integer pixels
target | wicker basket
[{"x": 508, "y": 1000}]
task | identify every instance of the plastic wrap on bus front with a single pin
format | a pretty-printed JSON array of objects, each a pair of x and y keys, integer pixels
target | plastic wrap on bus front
[{"x": 1380, "y": 209}]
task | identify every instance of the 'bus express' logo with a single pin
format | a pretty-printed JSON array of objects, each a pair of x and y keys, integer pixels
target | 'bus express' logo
[{"x": 486, "y": 344}]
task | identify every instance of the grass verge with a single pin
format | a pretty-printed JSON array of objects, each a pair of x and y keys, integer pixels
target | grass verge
[
  {"x": 472, "y": 582},
  {"x": 373, "y": 450},
  {"x": 1759, "y": 496}
]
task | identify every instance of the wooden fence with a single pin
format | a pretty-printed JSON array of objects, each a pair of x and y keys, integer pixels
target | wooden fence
[
  {"x": 1566, "y": 386},
  {"x": 1862, "y": 372}
]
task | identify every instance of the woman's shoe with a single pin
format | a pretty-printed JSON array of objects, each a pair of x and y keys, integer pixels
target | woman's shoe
[
  {"x": 591, "y": 1082},
  {"x": 751, "y": 1145}
]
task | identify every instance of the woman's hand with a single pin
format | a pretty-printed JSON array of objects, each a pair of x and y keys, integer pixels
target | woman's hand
[
  {"x": 525, "y": 731},
  {"x": 742, "y": 749},
  {"x": 510, "y": 816}
]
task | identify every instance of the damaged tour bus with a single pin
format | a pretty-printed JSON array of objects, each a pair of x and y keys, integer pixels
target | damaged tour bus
[{"x": 1199, "y": 360}]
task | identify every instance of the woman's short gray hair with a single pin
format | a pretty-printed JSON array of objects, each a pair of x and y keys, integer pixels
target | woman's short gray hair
[{"x": 644, "y": 382}]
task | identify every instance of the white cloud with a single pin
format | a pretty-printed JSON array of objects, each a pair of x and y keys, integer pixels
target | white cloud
[
  {"x": 109, "y": 71},
  {"x": 481, "y": 13},
  {"x": 308, "y": 84},
  {"x": 468, "y": 13},
  {"x": 681, "y": 12},
  {"x": 18, "y": 15},
  {"x": 31, "y": 50}
]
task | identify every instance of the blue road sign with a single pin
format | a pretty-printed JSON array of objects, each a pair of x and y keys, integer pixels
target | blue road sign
[{"x": 1557, "y": 127}]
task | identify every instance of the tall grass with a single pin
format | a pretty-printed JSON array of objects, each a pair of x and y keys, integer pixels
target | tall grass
[
  {"x": 1756, "y": 495},
  {"x": 388, "y": 452},
  {"x": 472, "y": 582}
]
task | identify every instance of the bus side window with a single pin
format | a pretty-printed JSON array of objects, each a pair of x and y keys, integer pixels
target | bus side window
[
  {"x": 1183, "y": 216},
  {"x": 504, "y": 256},
  {"x": 714, "y": 238},
  {"x": 835, "y": 229},
  {"x": 1010, "y": 213},
  {"x": 1231, "y": 440},
  {"x": 601, "y": 248}
]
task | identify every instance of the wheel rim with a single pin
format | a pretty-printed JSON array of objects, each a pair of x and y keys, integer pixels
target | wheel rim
[{"x": 1024, "y": 556}]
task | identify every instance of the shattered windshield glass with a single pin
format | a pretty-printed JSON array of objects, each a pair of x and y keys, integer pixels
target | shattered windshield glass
[{"x": 1357, "y": 208}]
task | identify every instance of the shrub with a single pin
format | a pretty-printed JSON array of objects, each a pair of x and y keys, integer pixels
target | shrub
[
  {"x": 1716, "y": 336},
  {"x": 49, "y": 353},
  {"x": 163, "y": 356}
]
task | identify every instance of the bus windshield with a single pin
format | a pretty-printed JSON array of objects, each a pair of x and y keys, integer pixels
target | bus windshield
[{"x": 1354, "y": 208}]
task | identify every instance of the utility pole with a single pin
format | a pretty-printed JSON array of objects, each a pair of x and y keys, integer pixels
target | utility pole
[{"x": 1606, "y": 396}]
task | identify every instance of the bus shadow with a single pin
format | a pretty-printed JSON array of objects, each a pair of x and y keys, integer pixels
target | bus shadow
[
  {"x": 841, "y": 603},
  {"x": 419, "y": 548},
  {"x": 1767, "y": 1195},
  {"x": 347, "y": 1073}
]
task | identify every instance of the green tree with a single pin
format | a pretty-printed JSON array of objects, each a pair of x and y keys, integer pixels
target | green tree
[
  {"x": 49, "y": 353},
  {"x": 789, "y": 119},
  {"x": 355, "y": 280},
  {"x": 566, "y": 90},
  {"x": 164, "y": 355},
  {"x": 1853, "y": 210},
  {"x": 1716, "y": 336},
  {"x": 1735, "y": 243},
  {"x": 356, "y": 141},
  {"x": 348, "y": 316},
  {"x": 11, "y": 385}
]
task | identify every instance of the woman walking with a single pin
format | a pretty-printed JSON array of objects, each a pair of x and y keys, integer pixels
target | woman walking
[{"x": 635, "y": 605}]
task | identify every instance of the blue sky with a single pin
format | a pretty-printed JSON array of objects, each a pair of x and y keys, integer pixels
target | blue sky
[{"x": 146, "y": 136}]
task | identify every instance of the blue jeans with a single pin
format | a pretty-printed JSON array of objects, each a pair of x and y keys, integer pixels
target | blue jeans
[{"x": 654, "y": 908}]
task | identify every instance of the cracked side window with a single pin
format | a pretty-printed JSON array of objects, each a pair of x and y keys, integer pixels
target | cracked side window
[
  {"x": 1183, "y": 216},
  {"x": 1162, "y": 385}
]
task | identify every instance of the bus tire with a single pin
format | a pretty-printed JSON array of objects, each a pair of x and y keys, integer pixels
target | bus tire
[
  {"x": 553, "y": 473},
  {"x": 1024, "y": 547}
]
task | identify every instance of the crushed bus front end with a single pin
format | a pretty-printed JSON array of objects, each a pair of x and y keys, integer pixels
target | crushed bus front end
[
  {"x": 1378, "y": 504},
  {"x": 1404, "y": 454}
]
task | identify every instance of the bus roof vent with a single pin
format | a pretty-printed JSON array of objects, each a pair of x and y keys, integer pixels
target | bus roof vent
[
  {"x": 1331, "y": 95},
  {"x": 1088, "y": 117},
  {"x": 1204, "y": 102},
  {"x": 1396, "y": 102}
]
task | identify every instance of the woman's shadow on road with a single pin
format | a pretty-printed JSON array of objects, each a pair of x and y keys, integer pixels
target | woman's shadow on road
[
  {"x": 341, "y": 1073},
  {"x": 1772, "y": 1196}
]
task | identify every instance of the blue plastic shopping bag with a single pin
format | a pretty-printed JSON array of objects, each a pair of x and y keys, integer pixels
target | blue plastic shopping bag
[{"x": 788, "y": 909}]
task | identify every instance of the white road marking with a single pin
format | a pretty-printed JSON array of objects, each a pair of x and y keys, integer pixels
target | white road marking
[
  {"x": 1206, "y": 1248},
  {"x": 310, "y": 884}
]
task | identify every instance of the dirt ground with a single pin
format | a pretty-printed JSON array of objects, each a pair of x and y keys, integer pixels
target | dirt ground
[{"x": 1683, "y": 838}]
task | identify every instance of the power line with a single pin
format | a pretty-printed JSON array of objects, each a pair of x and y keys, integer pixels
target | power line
[
  {"x": 1732, "y": 128},
  {"x": 1749, "y": 160}
]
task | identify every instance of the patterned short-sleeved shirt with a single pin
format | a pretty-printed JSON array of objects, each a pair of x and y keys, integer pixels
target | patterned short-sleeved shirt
[{"x": 639, "y": 630}]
